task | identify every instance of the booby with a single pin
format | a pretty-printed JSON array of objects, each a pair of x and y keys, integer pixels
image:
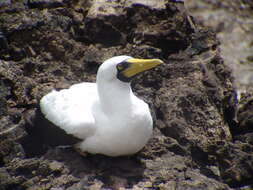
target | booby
[{"x": 106, "y": 116}]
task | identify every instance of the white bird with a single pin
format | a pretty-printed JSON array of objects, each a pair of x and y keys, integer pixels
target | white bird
[{"x": 106, "y": 115}]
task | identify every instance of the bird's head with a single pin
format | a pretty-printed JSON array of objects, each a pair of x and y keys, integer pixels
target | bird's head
[{"x": 125, "y": 68}]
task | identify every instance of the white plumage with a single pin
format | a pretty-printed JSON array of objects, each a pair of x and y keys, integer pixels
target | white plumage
[{"x": 109, "y": 118}]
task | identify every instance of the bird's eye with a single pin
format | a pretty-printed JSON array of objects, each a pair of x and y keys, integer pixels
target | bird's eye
[{"x": 120, "y": 67}]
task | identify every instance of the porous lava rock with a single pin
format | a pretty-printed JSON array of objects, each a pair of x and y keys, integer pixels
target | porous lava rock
[{"x": 55, "y": 44}]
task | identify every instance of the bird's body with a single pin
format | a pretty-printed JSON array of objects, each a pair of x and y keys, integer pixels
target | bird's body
[{"x": 106, "y": 115}]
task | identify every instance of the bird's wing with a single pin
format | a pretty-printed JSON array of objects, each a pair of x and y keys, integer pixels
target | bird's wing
[{"x": 71, "y": 109}]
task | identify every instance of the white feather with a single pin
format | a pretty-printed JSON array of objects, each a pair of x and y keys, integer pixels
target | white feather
[{"x": 109, "y": 118}]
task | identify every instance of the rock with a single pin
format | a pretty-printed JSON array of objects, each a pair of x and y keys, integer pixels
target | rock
[
  {"x": 3, "y": 41},
  {"x": 241, "y": 157},
  {"x": 45, "y": 3},
  {"x": 236, "y": 168},
  {"x": 5, "y": 2},
  {"x": 233, "y": 23},
  {"x": 245, "y": 113},
  {"x": 55, "y": 166},
  {"x": 5, "y": 178},
  {"x": 4, "y": 92},
  {"x": 225, "y": 21},
  {"x": 191, "y": 96}
]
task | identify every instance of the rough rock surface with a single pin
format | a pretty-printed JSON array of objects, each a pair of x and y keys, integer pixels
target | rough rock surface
[
  {"x": 233, "y": 23},
  {"x": 53, "y": 44}
]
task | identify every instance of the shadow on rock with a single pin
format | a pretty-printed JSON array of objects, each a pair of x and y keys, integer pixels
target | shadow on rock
[
  {"x": 110, "y": 170},
  {"x": 43, "y": 140}
]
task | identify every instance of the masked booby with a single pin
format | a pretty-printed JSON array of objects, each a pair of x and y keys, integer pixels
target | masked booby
[{"x": 106, "y": 116}]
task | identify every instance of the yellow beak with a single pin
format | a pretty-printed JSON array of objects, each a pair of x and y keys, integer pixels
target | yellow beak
[{"x": 139, "y": 65}]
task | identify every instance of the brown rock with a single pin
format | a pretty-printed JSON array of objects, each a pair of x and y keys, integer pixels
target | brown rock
[{"x": 191, "y": 96}]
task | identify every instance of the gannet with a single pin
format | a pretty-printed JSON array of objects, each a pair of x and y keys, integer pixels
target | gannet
[{"x": 106, "y": 116}]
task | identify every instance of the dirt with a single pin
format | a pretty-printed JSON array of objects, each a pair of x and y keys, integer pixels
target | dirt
[{"x": 202, "y": 139}]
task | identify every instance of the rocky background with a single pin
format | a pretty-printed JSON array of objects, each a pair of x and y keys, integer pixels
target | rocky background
[
  {"x": 203, "y": 137},
  {"x": 233, "y": 23}
]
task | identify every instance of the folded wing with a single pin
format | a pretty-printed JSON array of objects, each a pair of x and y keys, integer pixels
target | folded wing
[{"x": 71, "y": 109}]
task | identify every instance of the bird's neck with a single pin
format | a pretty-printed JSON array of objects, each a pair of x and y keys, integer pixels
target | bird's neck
[{"x": 114, "y": 96}]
